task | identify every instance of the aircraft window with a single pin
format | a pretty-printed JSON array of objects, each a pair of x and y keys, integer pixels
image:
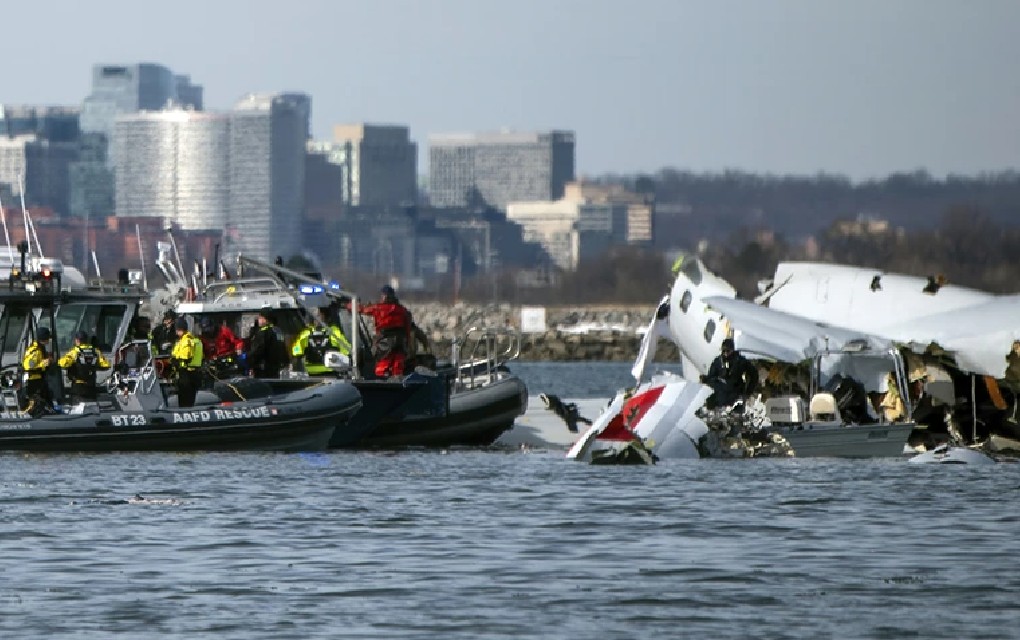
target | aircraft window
[
  {"x": 709, "y": 330},
  {"x": 690, "y": 269},
  {"x": 685, "y": 301}
]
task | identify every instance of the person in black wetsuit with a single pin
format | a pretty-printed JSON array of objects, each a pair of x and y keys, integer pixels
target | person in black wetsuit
[{"x": 731, "y": 376}]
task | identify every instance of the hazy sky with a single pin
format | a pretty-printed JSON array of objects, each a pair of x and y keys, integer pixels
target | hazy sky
[{"x": 858, "y": 87}]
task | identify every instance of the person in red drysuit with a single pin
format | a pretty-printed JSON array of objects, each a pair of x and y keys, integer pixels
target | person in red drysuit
[{"x": 392, "y": 333}]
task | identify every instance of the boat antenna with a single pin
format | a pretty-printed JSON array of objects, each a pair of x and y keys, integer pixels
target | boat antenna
[
  {"x": 95, "y": 263},
  {"x": 25, "y": 216},
  {"x": 141, "y": 258},
  {"x": 173, "y": 243},
  {"x": 7, "y": 235}
]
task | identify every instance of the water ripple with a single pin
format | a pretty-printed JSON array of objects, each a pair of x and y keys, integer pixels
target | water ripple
[{"x": 476, "y": 544}]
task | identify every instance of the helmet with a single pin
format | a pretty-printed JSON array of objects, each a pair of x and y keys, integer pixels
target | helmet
[
  {"x": 182, "y": 323},
  {"x": 266, "y": 312},
  {"x": 43, "y": 334},
  {"x": 388, "y": 291},
  {"x": 727, "y": 344},
  {"x": 81, "y": 336},
  {"x": 169, "y": 314}
]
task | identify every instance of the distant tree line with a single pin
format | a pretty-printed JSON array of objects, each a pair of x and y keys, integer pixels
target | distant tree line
[
  {"x": 695, "y": 206},
  {"x": 966, "y": 247},
  {"x": 963, "y": 228}
]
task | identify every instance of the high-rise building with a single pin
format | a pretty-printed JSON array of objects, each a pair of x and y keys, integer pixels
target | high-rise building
[
  {"x": 173, "y": 164},
  {"x": 267, "y": 139},
  {"x": 56, "y": 124},
  {"x": 568, "y": 230},
  {"x": 41, "y": 167},
  {"x": 188, "y": 95},
  {"x": 379, "y": 164},
  {"x": 118, "y": 89},
  {"x": 498, "y": 168},
  {"x": 91, "y": 179}
]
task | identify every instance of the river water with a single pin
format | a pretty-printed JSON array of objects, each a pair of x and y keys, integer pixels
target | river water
[{"x": 504, "y": 544}]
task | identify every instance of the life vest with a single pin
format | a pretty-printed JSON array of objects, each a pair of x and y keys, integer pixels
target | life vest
[
  {"x": 85, "y": 364},
  {"x": 188, "y": 352},
  {"x": 318, "y": 344},
  {"x": 33, "y": 361}
]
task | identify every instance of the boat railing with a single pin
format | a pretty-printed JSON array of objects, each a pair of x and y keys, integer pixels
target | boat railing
[
  {"x": 218, "y": 291},
  {"x": 297, "y": 284},
  {"x": 860, "y": 349},
  {"x": 480, "y": 354},
  {"x": 134, "y": 370}
]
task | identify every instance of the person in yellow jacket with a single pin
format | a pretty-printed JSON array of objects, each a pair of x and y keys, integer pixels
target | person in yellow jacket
[
  {"x": 315, "y": 340},
  {"x": 187, "y": 359},
  {"x": 82, "y": 362},
  {"x": 35, "y": 363}
]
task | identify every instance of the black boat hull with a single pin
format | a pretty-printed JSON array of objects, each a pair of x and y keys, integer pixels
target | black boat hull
[
  {"x": 304, "y": 420},
  {"x": 475, "y": 417}
]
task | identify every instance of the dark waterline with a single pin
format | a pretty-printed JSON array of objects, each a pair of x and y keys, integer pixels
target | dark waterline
[{"x": 495, "y": 544}]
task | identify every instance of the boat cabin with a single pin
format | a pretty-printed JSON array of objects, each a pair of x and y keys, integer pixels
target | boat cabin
[{"x": 107, "y": 312}]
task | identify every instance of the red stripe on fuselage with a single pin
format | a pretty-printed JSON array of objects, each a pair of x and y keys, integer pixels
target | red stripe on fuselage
[{"x": 621, "y": 427}]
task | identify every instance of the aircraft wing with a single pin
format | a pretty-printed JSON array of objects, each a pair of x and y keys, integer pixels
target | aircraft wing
[
  {"x": 787, "y": 337},
  {"x": 979, "y": 337}
]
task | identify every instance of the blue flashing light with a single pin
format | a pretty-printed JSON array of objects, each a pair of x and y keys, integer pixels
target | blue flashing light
[
  {"x": 311, "y": 289},
  {"x": 334, "y": 285}
]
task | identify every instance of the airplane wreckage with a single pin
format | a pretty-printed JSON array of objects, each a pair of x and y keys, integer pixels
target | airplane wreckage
[{"x": 849, "y": 362}]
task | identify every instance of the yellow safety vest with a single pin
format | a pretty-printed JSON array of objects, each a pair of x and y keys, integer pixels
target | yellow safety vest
[
  {"x": 188, "y": 352},
  {"x": 35, "y": 361}
]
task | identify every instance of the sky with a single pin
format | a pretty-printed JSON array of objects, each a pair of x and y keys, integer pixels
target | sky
[{"x": 861, "y": 88}]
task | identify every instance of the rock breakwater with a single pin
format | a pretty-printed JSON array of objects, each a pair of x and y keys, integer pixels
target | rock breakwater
[{"x": 570, "y": 333}]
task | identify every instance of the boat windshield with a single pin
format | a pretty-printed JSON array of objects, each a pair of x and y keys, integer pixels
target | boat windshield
[
  {"x": 13, "y": 327},
  {"x": 102, "y": 323}
]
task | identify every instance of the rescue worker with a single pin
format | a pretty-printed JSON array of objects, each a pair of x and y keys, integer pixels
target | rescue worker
[
  {"x": 226, "y": 342},
  {"x": 266, "y": 351},
  {"x": 221, "y": 348},
  {"x": 164, "y": 335},
  {"x": 393, "y": 333},
  {"x": 35, "y": 363},
  {"x": 82, "y": 362},
  {"x": 731, "y": 376},
  {"x": 315, "y": 340},
  {"x": 187, "y": 358}
]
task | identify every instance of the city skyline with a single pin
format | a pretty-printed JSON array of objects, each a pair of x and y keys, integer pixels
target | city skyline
[{"x": 860, "y": 89}]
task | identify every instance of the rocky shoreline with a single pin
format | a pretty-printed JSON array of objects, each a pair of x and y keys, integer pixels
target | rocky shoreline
[{"x": 572, "y": 333}]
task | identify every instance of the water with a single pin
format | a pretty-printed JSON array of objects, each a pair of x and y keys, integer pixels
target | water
[
  {"x": 581, "y": 379},
  {"x": 497, "y": 544}
]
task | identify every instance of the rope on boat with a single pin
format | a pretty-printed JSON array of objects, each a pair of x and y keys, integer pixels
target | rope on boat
[{"x": 231, "y": 386}]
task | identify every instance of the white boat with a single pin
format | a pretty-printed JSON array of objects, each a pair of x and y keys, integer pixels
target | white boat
[
  {"x": 815, "y": 439},
  {"x": 951, "y": 454},
  {"x": 822, "y": 430}
]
